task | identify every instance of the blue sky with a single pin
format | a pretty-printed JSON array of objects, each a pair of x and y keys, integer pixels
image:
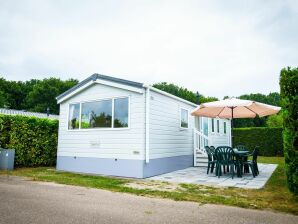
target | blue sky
[{"x": 216, "y": 47}]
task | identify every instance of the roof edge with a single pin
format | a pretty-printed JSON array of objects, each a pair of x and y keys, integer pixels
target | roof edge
[{"x": 95, "y": 77}]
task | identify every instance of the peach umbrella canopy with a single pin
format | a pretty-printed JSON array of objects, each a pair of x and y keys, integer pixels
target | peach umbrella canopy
[{"x": 234, "y": 108}]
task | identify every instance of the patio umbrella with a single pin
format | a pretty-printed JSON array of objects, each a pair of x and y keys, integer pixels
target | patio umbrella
[{"x": 234, "y": 108}]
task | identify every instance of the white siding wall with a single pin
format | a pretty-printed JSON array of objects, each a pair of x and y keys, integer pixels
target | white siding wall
[
  {"x": 112, "y": 143},
  {"x": 220, "y": 139},
  {"x": 166, "y": 138}
]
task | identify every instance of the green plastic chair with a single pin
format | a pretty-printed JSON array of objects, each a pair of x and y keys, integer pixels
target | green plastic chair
[
  {"x": 211, "y": 159},
  {"x": 225, "y": 157},
  {"x": 253, "y": 164}
]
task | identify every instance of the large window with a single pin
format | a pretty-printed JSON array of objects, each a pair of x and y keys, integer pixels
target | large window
[
  {"x": 184, "y": 118},
  {"x": 99, "y": 114},
  {"x": 74, "y": 116}
]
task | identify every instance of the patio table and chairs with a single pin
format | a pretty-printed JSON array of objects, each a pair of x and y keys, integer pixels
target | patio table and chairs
[{"x": 232, "y": 158}]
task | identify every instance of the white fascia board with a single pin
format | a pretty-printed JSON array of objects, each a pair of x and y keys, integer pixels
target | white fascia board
[
  {"x": 170, "y": 95},
  {"x": 75, "y": 91},
  {"x": 103, "y": 82},
  {"x": 120, "y": 86}
]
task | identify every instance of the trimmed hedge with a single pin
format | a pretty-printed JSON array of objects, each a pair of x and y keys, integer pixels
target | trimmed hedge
[
  {"x": 34, "y": 139},
  {"x": 289, "y": 98},
  {"x": 269, "y": 139}
]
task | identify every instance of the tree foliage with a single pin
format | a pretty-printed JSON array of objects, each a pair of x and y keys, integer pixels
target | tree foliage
[
  {"x": 289, "y": 95},
  {"x": 33, "y": 95},
  {"x": 183, "y": 92}
]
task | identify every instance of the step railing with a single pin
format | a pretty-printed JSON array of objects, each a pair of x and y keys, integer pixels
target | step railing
[{"x": 200, "y": 141}]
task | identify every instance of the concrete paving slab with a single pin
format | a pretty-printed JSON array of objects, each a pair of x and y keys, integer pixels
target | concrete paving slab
[{"x": 198, "y": 175}]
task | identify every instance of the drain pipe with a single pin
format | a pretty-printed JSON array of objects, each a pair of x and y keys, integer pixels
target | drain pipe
[{"x": 147, "y": 130}]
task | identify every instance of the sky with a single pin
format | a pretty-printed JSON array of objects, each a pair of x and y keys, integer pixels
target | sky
[{"x": 216, "y": 47}]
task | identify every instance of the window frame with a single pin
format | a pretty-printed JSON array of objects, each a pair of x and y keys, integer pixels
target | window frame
[
  {"x": 180, "y": 110},
  {"x": 98, "y": 128},
  {"x": 224, "y": 127}
]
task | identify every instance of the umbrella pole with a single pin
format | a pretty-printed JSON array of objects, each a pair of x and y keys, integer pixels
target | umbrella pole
[{"x": 232, "y": 126}]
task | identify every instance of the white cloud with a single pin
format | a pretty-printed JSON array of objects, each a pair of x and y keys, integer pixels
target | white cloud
[{"x": 215, "y": 48}]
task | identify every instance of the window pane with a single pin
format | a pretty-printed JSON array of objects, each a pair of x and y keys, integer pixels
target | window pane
[
  {"x": 225, "y": 127},
  {"x": 184, "y": 118},
  {"x": 212, "y": 125},
  {"x": 97, "y": 114},
  {"x": 217, "y": 126},
  {"x": 74, "y": 115},
  {"x": 121, "y": 113}
]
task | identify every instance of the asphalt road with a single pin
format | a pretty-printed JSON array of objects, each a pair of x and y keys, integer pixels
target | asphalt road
[{"x": 23, "y": 201}]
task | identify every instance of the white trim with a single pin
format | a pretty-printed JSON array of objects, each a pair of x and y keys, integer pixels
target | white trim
[
  {"x": 113, "y": 112},
  {"x": 120, "y": 86},
  {"x": 147, "y": 124},
  {"x": 98, "y": 128},
  {"x": 103, "y": 82},
  {"x": 180, "y": 110},
  {"x": 75, "y": 92},
  {"x": 80, "y": 116},
  {"x": 169, "y": 95},
  {"x": 123, "y": 86}
]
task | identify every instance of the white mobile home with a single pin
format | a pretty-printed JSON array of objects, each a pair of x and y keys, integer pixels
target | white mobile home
[{"x": 117, "y": 127}]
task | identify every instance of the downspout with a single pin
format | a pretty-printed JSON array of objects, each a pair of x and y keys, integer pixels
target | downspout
[{"x": 147, "y": 130}]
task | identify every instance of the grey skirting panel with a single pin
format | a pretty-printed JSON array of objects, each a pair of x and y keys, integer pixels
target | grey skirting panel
[{"x": 123, "y": 167}]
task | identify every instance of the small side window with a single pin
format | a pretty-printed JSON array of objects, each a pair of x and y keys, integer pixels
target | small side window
[
  {"x": 225, "y": 127},
  {"x": 218, "y": 126},
  {"x": 184, "y": 118},
  {"x": 212, "y": 125},
  {"x": 74, "y": 116}
]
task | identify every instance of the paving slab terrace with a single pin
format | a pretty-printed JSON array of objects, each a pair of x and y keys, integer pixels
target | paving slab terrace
[{"x": 198, "y": 175}]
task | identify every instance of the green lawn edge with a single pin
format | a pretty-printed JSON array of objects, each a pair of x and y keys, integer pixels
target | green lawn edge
[{"x": 274, "y": 196}]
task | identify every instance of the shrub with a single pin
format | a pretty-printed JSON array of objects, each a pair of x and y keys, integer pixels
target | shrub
[
  {"x": 289, "y": 96},
  {"x": 34, "y": 139},
  {"x": 274, "y": 121},
  {"x": 269, "y": 139}
]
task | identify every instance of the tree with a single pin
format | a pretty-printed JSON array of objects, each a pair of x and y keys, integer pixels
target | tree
[
  {"x": 2, "y": 99},
  {"x": 183, "y": 92},
  {"x": 43, "y": 94}
]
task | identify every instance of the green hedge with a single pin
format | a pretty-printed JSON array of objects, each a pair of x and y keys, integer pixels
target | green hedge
[
  {"x": 34, "y": 139},
  {"x": 289, "y": 97},
  {"x": 269, "y": 139}
]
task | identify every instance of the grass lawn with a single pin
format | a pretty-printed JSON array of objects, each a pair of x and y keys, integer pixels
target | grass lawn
[{"x": 274, "y": 195}]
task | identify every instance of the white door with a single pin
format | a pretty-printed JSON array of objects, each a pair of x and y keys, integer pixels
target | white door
[{"x": 204, "y": 128}]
